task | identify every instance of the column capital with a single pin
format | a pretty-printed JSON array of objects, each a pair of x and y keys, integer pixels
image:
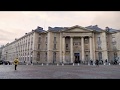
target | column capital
[
  {"x": 90, "y": 36},
  {"x": 71, "y": 36}
]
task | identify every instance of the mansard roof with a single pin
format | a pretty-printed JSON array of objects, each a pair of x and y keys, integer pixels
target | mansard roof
[
  {"x": 90, "y": 28},
  {"x": 111, "y": 30},
  {"x": 39, "y": 29},
  {"x": 94, "y": 28},
  {"x": 56, "y": 29}
]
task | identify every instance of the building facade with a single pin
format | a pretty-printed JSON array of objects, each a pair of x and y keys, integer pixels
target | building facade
[{"x": 65, "y": 45}]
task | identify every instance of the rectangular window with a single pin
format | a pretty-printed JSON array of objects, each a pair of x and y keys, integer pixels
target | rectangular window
[
  {"x": 38, "y": 46},
  {"x": 46, "y": 39},
  {"x": 98, "y": 41},
  {"x": 39, "y": 40},
  {"x": 54, "y": 46},
  {"x": 99, "y": 47},
  {"x": 55, "y": 39},
  {"x": 54, "y": 34},
  {"x": 98, "y": 38},
  {"x": 46, "y": 46},
  {"x": 54, "y": 57},
  {"x": 66, "y": 46},
  {"x": 38, "y": 56},
  {"x": 86, "y": 40},
  {"x": 46, "y": 56},
  {"x": 113, "y": 41}
]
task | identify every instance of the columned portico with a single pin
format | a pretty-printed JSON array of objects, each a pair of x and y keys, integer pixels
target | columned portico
[
  {"x": 82, "y": 48},
  {"x": 71, "y": 49}
]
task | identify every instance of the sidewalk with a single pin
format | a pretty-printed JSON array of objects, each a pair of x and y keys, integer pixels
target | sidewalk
[{"x": 60, "y": 72}]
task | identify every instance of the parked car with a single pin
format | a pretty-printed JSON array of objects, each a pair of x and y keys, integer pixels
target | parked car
[
  {"x": 4, "y": 62},
  {"x": 1, "y": 62}
]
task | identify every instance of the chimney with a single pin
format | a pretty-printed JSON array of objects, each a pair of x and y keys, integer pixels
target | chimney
[
  {"x": 96, "y": 25},
  {"x": 40, "y": 28},
  {"x": 107, "y": 28}
]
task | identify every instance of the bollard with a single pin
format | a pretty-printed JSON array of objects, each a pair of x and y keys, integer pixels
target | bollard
[
  {"x": 62, "y": 64},
  {"x": 57, "y": 64},
  {"x": 109, "y": 63},
  {"x": 78, "y": 64},
  {"x": 104, "y": 63},
  {"x": 42, "y": 64},
  {"x": 119, "y": 63},
  {"x": 88, "y": 63},
  {"x": 93, "y": 63},
  {"x": 73, "y": 64}
]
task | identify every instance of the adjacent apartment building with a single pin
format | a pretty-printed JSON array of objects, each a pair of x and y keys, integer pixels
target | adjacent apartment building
[{"x": 65, "y": 45}]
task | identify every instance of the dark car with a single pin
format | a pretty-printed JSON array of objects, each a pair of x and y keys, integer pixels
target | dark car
[
  {"x": 1, "y": 62},
  {"x": 4, "y": 62}
]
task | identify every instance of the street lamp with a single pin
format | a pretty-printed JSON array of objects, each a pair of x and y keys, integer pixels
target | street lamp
[{"x": 6, "y": 55}]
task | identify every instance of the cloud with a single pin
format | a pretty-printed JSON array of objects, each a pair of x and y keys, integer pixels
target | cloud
[
  {"x": 14, "y": 24},
  {"x": 110, "y": 19}
]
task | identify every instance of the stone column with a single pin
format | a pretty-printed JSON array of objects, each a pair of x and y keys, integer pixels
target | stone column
[
  {"x": 91, "y": 49},
  {"x": 63, "y": 49},
  {"x": 71, "y": 49},
  {"x": 82, "y": 46},
  {"x": 94, "y": 57},
  {"x": 60, "y": 48},
  {"x": 34, "y": 48},
  {"x": 49, "y": 48}
]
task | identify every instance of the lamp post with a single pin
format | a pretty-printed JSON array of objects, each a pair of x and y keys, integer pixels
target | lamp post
[
  {"x": 31, "y": 57},
  {"x": 6, "y": 55}
]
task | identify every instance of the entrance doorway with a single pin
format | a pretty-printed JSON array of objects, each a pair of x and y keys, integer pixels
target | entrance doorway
[{"x": 77, "y": 57}]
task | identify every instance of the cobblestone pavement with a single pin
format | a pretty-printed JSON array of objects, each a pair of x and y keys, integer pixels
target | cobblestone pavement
[{"x": 60, "y": 72}]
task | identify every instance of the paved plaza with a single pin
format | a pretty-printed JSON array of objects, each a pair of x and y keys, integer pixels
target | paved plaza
[{"x": 60, "y": 72}]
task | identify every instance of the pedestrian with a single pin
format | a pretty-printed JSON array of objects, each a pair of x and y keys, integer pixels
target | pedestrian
[
  {"x": 106, "y": 61},
  {"x": 97, "y": 63},
  {"x": 16, "y": 61}
]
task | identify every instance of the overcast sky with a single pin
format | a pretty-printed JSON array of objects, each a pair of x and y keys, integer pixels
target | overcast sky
[{"x": 14, "y": 24}]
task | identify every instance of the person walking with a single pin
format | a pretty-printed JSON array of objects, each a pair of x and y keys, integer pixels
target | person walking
[
  {"x": 97, "y": 63},
  {"x": 16, "y": 61}
]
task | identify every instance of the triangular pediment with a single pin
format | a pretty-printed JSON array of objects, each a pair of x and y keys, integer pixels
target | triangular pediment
[{"x": 77, "y": 29}]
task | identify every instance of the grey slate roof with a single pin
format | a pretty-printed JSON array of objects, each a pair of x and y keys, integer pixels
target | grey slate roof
[
  {"x": 39, "y": 29},
  {"x": 111, "y": 30},
  {"x": 92, "y": 27},
  {"x": 56, "y": 29},
  {"x": 95, "y": 28}
]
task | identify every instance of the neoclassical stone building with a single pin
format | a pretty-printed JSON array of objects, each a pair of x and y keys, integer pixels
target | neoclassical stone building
[{"x": 65, "y": 45}]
